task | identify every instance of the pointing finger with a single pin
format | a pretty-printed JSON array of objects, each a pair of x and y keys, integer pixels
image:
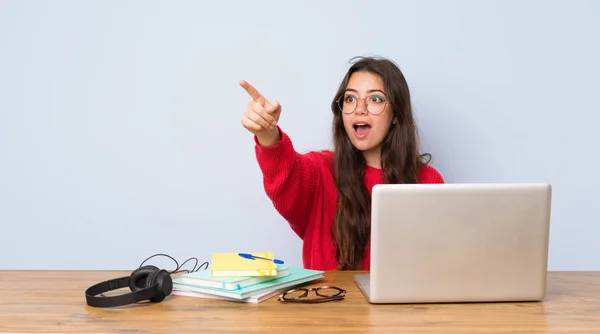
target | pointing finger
[{"x": 256, "y": 96}]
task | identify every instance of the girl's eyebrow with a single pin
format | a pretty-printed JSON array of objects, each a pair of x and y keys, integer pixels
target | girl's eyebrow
[{"x": 369, "y": 91}]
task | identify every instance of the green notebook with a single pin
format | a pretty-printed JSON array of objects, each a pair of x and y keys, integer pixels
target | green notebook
[
  {"x": 205, "y": 279},
  {"x": 296, "y": 276}
]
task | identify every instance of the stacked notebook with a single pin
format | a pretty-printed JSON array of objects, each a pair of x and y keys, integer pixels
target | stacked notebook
[{"x": 236, "y": 278}]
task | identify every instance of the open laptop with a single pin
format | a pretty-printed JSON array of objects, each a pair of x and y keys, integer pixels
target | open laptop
[{"x": 433, "y": 243}]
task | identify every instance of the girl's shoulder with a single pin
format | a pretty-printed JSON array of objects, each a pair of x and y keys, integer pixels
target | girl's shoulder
[
  {"x": 428, "y": 174},
  {"x": 323, "y": 158}
]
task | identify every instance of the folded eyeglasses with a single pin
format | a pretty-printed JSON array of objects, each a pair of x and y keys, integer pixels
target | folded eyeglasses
[{"x": 323, "y": 293}]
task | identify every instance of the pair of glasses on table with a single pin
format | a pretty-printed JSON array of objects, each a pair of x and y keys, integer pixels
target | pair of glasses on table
[{"x": 323, "y": 294}]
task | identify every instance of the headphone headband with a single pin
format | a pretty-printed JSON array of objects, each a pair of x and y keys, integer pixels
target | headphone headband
[{"x": 119, "y": 300}]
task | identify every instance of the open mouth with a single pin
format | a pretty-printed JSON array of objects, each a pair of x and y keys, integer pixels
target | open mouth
[{"x": 361, "y": 129}]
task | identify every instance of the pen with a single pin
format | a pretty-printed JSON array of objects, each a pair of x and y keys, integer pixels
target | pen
[{"x": 254, "y": 257}]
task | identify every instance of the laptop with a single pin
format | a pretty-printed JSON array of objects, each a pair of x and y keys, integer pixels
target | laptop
[{"x": 449, "y": 243}]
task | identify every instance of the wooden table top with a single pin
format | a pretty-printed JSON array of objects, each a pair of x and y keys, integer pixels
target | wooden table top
[{"x": 54, "y": 301}]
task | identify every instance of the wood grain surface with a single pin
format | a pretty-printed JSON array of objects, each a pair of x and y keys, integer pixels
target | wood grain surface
[{"x": 54, "y": 302}]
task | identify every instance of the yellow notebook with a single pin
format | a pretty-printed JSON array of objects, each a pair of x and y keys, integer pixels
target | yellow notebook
[{"x": 233, "y": 265}]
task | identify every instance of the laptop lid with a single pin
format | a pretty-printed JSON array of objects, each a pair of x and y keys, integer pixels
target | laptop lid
[{"x": 459, "y": 242}]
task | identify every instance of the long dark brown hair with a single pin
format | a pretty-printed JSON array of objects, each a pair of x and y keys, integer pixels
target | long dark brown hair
[{"x": 400, "y": 160}]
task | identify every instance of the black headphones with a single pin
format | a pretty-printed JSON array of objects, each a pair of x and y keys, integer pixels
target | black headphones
[{"x": 146, "y": 283}]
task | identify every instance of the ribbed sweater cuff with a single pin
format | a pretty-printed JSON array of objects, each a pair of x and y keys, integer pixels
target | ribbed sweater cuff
[{"x": 275, "y": 154}]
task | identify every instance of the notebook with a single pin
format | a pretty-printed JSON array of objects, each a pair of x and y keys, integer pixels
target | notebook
[
  {"x": 252, "y": 299},
  {"x": 233, "y": 265},
  {"x": 296, "y": 276},
  {"x": 204, "y": 278}
]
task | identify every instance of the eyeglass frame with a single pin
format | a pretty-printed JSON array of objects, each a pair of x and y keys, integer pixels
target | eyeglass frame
[
  {"x": 341, "y": 294},
  {"x": 365, "y": 102}
]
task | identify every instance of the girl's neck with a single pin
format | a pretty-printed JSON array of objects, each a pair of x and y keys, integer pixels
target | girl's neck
[{"x": 373, "y": 157}]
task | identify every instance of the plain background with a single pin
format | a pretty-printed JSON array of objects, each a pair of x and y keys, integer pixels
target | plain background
[{"x": 120, "y": 132}]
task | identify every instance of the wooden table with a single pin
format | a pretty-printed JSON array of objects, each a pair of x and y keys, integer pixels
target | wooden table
[{"x": 53, "y": 301}]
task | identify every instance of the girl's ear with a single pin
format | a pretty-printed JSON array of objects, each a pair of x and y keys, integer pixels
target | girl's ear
[{"x": 394, "y": 121}]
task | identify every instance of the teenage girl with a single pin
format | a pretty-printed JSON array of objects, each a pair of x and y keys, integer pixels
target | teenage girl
[{"x": 325, "y": 195}]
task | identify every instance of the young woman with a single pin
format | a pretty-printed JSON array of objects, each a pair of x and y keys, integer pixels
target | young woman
[{"x": 326, "y": 196}]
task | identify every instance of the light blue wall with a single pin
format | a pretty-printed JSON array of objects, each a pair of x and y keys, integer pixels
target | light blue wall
[{"x": 119, "y": 120}]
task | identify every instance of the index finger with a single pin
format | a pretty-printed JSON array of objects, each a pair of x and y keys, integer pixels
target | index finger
[{"x": 256, "y": 96}]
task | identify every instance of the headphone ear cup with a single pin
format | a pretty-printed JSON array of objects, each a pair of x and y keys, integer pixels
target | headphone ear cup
[
  {"x": 139, "y": 277},
  {"x": 164, "y": 283}
]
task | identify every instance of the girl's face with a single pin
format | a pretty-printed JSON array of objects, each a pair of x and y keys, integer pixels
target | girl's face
[{"x": 366, "y": 112}]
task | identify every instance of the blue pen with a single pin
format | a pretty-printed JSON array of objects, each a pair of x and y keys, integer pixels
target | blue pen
[{"x": 254, "y": 257}]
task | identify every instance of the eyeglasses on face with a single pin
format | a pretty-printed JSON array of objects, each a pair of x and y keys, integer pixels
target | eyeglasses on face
[
  {"x": 375, "y": 103},
  {"x": 323, "y": 293}
]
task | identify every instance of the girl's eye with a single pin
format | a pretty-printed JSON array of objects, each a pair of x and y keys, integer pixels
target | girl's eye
[
  {"x": 376, "y": 99},
  {"x": 349, "y": 98}
]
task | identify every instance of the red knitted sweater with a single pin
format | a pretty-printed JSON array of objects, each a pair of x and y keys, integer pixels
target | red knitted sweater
[{"x": 303, "y": 191}]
